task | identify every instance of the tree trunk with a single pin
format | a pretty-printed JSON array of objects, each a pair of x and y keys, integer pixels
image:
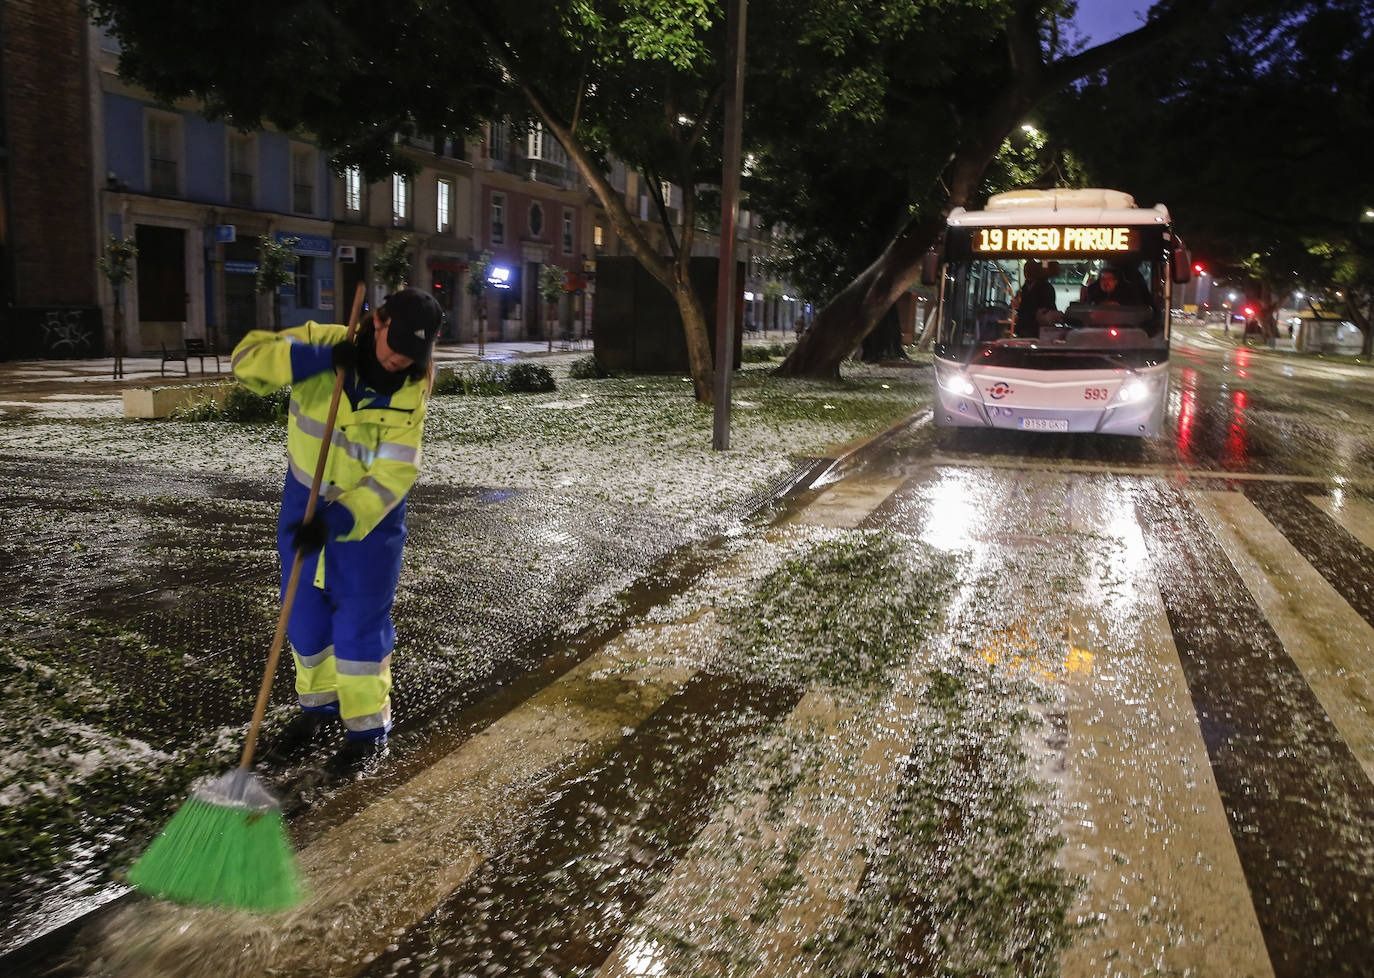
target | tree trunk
[
  {"x": 482, "y": 325},
  {"x": 885, "y": 342},
  {"x": 698, "y": 343},
  {"x": 842, "y": 324},
  {"x": 1361, "y": 318},
  {"x": 118, "y": 335}
]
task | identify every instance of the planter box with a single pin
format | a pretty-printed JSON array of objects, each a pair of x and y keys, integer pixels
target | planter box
[{"x": 160, "y": 402}]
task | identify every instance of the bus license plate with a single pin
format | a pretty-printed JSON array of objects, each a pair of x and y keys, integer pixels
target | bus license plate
[{"x": 1044, "y": 424}]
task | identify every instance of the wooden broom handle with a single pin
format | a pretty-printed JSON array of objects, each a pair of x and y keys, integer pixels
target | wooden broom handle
[{"x": 292, "y": 582}]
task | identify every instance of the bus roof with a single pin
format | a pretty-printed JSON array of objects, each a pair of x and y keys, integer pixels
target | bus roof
[{"x": 1079, "y": 206}]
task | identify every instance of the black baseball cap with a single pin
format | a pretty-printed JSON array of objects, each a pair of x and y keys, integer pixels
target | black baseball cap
[{"x": 415, "y": 319}]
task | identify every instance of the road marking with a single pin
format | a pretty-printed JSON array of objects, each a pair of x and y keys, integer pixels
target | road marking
[
  {"x": 1300, "y": 806},
  {"x": 1146, "y": 826},
  {"x": 385, "y": 869},
  {"x": 1353, "y": 513},
  {"x": 939, "y": 460},
  {"x": 846, "y": 504},
  {"x": 1330, "y": 642}
]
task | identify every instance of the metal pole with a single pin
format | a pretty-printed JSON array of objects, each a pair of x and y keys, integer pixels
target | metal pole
[{"x": 736, "y": 13}]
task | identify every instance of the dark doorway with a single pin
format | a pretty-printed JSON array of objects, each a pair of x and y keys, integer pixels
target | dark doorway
[
  {"x": 240, "y": 298},
  {"x": 161, "y": 275},
  {"x": 444, "y": 287},
  {"x": 350, "y": 274},
  {"x": 534, "y": 303}
]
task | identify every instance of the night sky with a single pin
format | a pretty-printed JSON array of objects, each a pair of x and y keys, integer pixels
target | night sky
[{"x": 1102, "y": 20}]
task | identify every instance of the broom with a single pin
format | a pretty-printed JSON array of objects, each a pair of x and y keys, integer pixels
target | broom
[{"x": 227, "y": 845}]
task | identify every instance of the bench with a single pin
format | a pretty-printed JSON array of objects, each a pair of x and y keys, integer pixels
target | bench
[{"x": 196, "y": 348}]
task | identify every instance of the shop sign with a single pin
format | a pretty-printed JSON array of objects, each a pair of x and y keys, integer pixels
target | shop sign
[
  {"x": 241, "y": 267},
  {"x": 312, "y": 245}
]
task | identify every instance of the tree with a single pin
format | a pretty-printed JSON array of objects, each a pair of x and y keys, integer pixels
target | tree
[
  {"x": 477, "y": 288},
  {"x": 276, "y": 268},
  {"x": 1257, "y": 124},
  {"x": 636, "y": 80},
  {"x": 393, "y": 263},
  {"x": 116, "y": 264},
  {"x": 1003, "y": 59},
  {"x": 551, "y": 286}
]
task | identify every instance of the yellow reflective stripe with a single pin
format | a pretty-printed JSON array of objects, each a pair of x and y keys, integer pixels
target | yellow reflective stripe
[
  {"x": 240, "y": 355},
  {"x": 316, "y": 681},
  {"x": 394, "y": 451}
]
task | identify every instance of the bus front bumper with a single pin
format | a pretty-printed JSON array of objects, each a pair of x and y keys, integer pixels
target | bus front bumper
[{"x": 1141, "y": 419}]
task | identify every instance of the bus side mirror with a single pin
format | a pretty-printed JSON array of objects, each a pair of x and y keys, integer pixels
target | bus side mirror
[
  {"x": 1181, "y": 266},
  {"x": 930, "y": 268}
]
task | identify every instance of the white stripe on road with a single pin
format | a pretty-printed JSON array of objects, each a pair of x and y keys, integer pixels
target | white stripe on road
[
  {"x": 1354, "y": 513},
  {"x": 1332, "y": 645},
  {"x": 382, "y": 871},
  {"x": 846, "y": 504},
  {"x": 1144, "y": 821}
]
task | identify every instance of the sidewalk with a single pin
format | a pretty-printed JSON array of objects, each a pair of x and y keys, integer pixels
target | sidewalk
[{"x": 33, "y": 380}]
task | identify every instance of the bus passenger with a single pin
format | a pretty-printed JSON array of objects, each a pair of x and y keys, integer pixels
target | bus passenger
[
  {"x": 1111, "y": 290},
  {"x": 1035, "y": 299}
]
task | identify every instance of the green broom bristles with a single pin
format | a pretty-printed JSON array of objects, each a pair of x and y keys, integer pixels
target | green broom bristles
[{"x": 225, "y": 847}]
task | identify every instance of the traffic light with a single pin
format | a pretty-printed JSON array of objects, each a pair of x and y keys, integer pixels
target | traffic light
[
  {"x": 1249, "y": 312},
  {"x": 1199, "y": 268}
]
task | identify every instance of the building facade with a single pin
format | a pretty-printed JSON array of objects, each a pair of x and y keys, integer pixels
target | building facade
[
  {"x": 47, "y": 206},
  {"x": 530, "y": 213}
]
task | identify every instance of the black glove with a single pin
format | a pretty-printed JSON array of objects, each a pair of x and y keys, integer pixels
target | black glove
[
  {"x": 344, "y": 355},
  {"x": 309, "y": 537}
]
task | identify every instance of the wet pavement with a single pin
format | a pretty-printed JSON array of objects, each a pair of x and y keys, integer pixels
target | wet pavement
[{"x": 976, "y": 704}]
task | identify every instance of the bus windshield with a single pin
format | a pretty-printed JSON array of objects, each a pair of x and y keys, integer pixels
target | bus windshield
[{"x": 1084, "y": 305}]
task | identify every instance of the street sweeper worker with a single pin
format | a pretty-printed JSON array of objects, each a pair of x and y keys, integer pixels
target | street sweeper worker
[{"x": 340, "y": 627}]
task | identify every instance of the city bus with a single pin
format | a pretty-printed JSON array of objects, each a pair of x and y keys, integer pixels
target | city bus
[{"x": 1090, "y": 356}]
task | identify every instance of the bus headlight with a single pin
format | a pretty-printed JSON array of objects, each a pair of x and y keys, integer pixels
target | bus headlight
[
  {"x": 1132, "y": 391},
  {"x": 958, "y": 384}
]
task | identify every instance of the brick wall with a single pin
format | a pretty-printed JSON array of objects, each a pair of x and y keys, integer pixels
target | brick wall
[{"x": 47, "y": 116}]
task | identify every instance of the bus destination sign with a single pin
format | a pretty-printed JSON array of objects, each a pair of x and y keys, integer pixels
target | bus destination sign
[{"x": 1055, "y": 240}]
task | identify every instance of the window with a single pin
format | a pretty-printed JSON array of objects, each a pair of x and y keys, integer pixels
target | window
[
  {"x": 536, "y": 220},
  {"x": 241, "y": 169},
  {"x": 535, "y": 142},
  {"x": 303, "y": 179},
  {"x": 164, "y": 154},
  {"x": 498, "y": 219},
  {"x": 305, "y": 282},
  {"x": 598, "y": 237},
  {"x": 443, "y": 219},
  {"x": 666, "y": 189},
  {"x": 500, "y": 135},
  {"x": 400, "y": 201},
  {"x": 567, "y": 231},
  {"x": 353, "y": 191}
]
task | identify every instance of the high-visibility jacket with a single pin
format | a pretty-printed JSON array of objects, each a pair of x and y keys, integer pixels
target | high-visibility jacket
[{"x": 375, "y": 452}]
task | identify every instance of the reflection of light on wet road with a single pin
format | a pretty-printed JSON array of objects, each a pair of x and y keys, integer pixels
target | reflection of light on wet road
[
  {"x": 954, "y": 514},
  {"x": 1187, "y": 413},
  {"x": 1127, "y": 560},
  {"x": 1236, "y": 451},
  {"x": 1243, "y": 363}
]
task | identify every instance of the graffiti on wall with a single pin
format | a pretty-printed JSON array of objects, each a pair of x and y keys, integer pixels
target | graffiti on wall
[{"x": 59, "y": 332}]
